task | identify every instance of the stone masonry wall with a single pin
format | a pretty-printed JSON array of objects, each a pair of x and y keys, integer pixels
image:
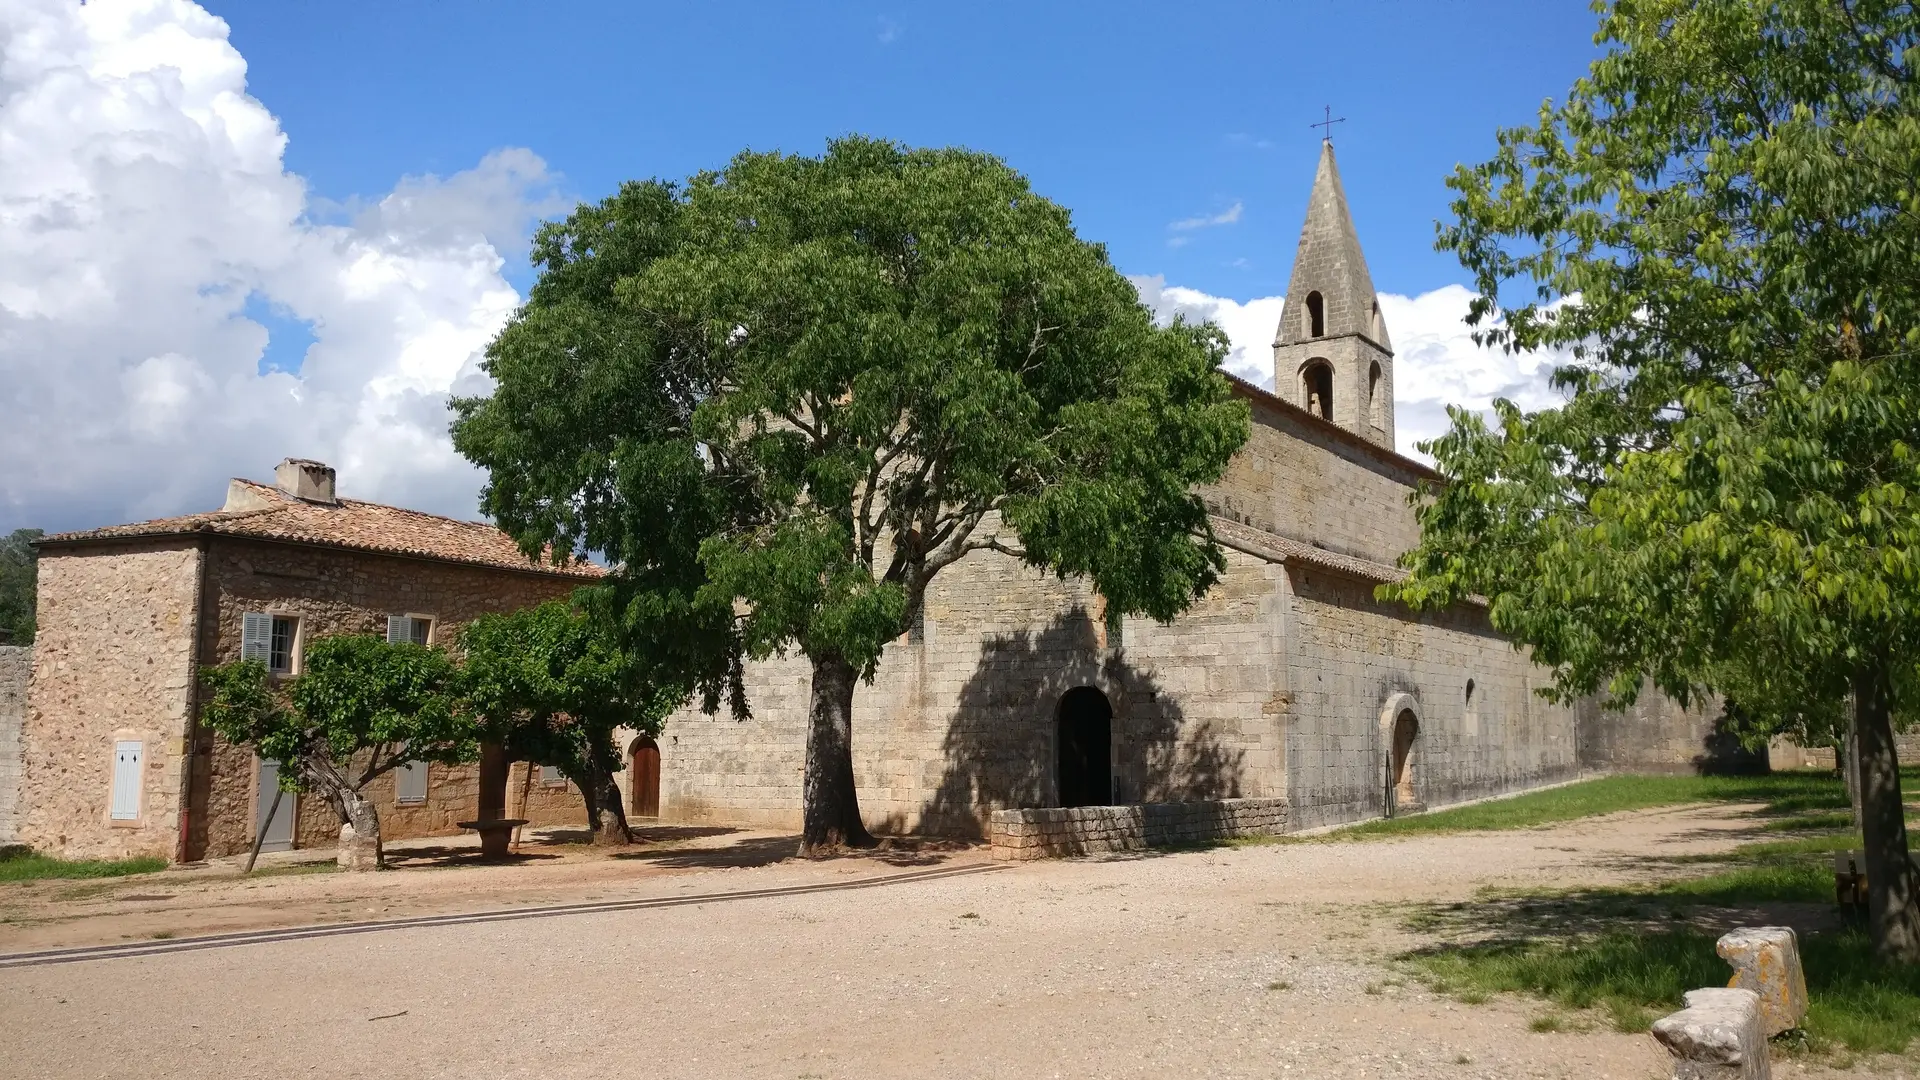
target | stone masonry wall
[
  {"x": 16, "y": 670},
  {"x": 1656, "y": 734},
  {"x": 337, "y": 592},
  {"x": 113, "y": 660},
  {"x": 1295, "y": 478},
  {"x": 1019, "y": 835},
  {"x": 1351, "y": 654}
]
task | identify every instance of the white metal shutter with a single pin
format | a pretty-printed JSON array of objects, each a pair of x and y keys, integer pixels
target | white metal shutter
[
  {"x": 399, "y": 629},
  {"x": 256, "y": 637},
  {"x": 126, "y": 780}
]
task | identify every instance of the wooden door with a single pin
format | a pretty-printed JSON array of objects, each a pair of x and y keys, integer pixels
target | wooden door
[{"x": 646, "y": 778}]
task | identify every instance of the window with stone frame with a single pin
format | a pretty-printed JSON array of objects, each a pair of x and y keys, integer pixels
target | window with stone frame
[
  {"x": 417, "y": 629},
  {"x": 270, "y": 639}
]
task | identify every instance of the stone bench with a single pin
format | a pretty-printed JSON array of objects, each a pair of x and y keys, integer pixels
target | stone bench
[{"x": 495, "y": 835}]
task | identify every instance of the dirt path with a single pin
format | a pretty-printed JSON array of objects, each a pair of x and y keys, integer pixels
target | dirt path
[{"x": 1260, "y": 961}]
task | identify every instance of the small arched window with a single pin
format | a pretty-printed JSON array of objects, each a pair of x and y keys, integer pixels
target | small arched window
[
  {"x": 1375, "y": 326},
  {"x": 1316, "y": 315},
  {"x": 1469, "y": 691},
  {"x": 1316, "y": 388},
  {"x": 1376, "y": 402}
]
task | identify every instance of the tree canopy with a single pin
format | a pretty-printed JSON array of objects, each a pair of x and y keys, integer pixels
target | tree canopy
[
  {"x": 360, "y": 708},
  {"x": 19, "y": 580},
  {"x": 551, "y": 685},
  {"x": 1717, "y": 227},
  {"x": 785, "y": 395}
]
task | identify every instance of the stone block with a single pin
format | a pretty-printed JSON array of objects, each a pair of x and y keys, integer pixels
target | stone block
[
  {"x": 1766, "y": 960},
  {"x": 1718, "y": 1036}
]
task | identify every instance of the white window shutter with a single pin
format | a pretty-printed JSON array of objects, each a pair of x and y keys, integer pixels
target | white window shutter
[
  {"x": 126, "y": 780},
  {"x": 399, "y": 629},
  {"x": 256, "y": 637}
]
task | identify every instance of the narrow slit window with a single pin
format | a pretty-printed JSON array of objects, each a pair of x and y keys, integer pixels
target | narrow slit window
[{"x": 1316, "y": 315}]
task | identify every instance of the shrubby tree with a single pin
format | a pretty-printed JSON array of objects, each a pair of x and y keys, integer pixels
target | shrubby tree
[
  {"x": 1719, "y": 224},
  {"x": 360, "y": 708},
  {"x": 550, "y": 685},
  {"x": 785, "y": 396},
  {"x": 19, "y": 578}
]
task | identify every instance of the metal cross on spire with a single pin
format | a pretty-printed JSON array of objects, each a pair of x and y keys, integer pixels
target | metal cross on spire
[{"x": 1327, "y": 135}]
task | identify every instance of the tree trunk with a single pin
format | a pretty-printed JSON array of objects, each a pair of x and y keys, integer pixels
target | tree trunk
[
  {"x": 830, "y": 806},
  {"x": 494, "y": 767},
  {"x": 1849, "y": 751},
  {"x": 612, "y": 828},
  {"x": 1893, "y": 909},
  {"x": 360, "y": 833}
]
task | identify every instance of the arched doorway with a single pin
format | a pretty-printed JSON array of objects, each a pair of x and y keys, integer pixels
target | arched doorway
[
  {"x": 1406, "y": 728},
  {"x": 1085, "y": 742},
  {"x": 644, "y": 757}
]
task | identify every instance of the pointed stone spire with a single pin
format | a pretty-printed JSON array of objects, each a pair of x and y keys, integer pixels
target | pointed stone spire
[{"x": 1331, "y": 352}]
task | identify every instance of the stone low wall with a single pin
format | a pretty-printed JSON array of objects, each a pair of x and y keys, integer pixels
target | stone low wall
[{"x": 1052, "y": 832}]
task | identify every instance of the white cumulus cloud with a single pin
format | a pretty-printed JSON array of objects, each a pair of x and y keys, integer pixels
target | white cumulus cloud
[
  {"x": 1435, "y": 363},
  {"x": 145, "y": 209}
]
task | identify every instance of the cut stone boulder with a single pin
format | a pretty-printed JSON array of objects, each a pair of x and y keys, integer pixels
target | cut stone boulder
[
  {"x": 1718, "y": 1036},
  {"x": 357, "y": 852},
  {"x": 1766, "y": 960}
]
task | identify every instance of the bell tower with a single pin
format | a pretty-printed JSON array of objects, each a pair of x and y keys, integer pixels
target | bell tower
[{"x": 1331, "y": 355}]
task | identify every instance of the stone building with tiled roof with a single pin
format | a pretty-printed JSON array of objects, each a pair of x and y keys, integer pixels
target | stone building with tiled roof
[{"x": 112, "y": 760}]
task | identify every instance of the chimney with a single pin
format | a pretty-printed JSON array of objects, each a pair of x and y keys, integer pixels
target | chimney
[{"x": 303, "y": 479}]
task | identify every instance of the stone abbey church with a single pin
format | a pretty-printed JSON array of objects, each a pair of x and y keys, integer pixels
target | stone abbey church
[
  {"x": 1288, "y": 685},
  {"x": 1287, "y": 698}
]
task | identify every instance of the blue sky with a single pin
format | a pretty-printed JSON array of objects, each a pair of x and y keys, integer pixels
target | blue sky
[
  {"x": 1133, "y": 115},
  {"x": 239, "y": 232}
]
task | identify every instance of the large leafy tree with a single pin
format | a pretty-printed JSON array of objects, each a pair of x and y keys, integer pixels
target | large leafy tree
[
  {"x": 360, "y": 708},
  {"x": 550, "y": 685},
  {"x": 19, "y": 576},
  {"x": 1719, "y": 225},
  {"x": 828, "y": 379}
]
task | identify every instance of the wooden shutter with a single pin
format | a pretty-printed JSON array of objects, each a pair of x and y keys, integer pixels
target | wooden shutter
[
  {"x": 399, "y": 629},
  {"x": 126, "y": 780},
  {"x": 256, "y": 637}
]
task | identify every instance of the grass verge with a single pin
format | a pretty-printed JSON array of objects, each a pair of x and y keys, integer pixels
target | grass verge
[
  {"x": 33, "y": 866},
  {"x": 1803, "y": 798},
  {"x": 1629, "y": 953}
]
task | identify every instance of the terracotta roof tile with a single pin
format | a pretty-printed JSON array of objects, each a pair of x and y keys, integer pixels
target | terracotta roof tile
[{"x": 350, "y": 523}]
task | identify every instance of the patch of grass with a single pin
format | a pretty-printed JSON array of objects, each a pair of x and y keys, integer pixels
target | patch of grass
[
  {"x": 1803, "y": 798},
  {"x": 1853, "y": 1000},
  {"x": 34, "y": 866},
  {"x": 1548, "y": 1022},
  {"x": 1280, "y": 984}
]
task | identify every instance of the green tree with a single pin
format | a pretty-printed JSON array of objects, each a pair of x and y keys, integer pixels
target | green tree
[
  {"x": 360, "y": 709},
  {"x": 550, "y": 684},
  {"x": 849, "y": 372},
  {"x": 1719, "y": 226},
  {"x": 19, "y": 580}
]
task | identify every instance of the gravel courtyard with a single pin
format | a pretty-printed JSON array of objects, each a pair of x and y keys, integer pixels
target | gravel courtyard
[{"x": 1268, "y": 961}]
